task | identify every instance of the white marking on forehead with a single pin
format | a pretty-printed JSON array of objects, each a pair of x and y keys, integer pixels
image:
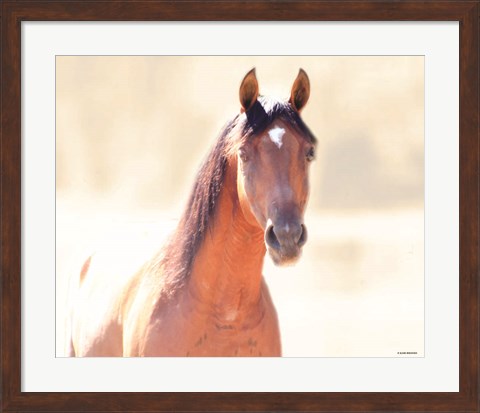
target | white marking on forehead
[{"x": 276, "y": 135}]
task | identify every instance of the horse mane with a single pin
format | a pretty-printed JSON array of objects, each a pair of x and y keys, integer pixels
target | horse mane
[{"x": 177, "y": 257}]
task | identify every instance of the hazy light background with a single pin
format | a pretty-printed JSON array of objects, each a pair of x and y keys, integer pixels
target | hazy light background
[{"x": 131, "y": 133}]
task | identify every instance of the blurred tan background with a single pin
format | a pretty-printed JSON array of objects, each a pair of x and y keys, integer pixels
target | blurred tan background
[{"x": 132, "y": 131}]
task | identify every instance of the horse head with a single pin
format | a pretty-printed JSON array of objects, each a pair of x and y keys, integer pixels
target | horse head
[{"x": 273, "y": 160}]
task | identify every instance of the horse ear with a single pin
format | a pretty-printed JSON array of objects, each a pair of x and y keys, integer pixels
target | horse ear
[
  {"x": 249, "y": 90},
  {"x": 300, "y": 91}
]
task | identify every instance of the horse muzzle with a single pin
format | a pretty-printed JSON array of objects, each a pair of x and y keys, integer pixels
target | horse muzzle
[{"x": 285, "y": 241}]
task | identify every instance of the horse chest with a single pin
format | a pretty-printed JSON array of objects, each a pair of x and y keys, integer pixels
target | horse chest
[
  {"x": 196, "y": 335},
  {"x": 235, "y": 340}
]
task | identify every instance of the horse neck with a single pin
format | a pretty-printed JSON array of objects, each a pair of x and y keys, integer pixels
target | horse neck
[{"x": 227, "y": 271}]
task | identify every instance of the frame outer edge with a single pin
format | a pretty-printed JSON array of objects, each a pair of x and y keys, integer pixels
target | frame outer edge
[
  {"x": 10, "y": 207},
  {"x": 10, "y": 214},
  {"x": 469, "y": 208}
]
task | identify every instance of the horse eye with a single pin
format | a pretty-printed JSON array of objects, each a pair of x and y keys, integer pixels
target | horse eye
[
  {"x": 311, "y": 155},
  {"x": 243, "y": 156}
]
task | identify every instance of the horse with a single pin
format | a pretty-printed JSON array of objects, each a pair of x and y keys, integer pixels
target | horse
[{"x": 203, "y": 293}]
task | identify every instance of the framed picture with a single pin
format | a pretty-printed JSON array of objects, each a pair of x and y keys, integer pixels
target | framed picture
[{"x": 115, "y": 115}]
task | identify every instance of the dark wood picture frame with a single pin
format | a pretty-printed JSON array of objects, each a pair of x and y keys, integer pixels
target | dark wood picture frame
[{"x": 13, "y": 12}]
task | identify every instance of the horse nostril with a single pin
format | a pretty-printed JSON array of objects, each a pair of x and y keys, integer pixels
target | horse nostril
[
  {"x": 303, "y": 236},
  {"x": 271, "y": 239},
  {"x": 286, "y": 236}
]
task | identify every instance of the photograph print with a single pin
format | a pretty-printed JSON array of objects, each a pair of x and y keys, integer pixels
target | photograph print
[{"x": 239, "y": 206}]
